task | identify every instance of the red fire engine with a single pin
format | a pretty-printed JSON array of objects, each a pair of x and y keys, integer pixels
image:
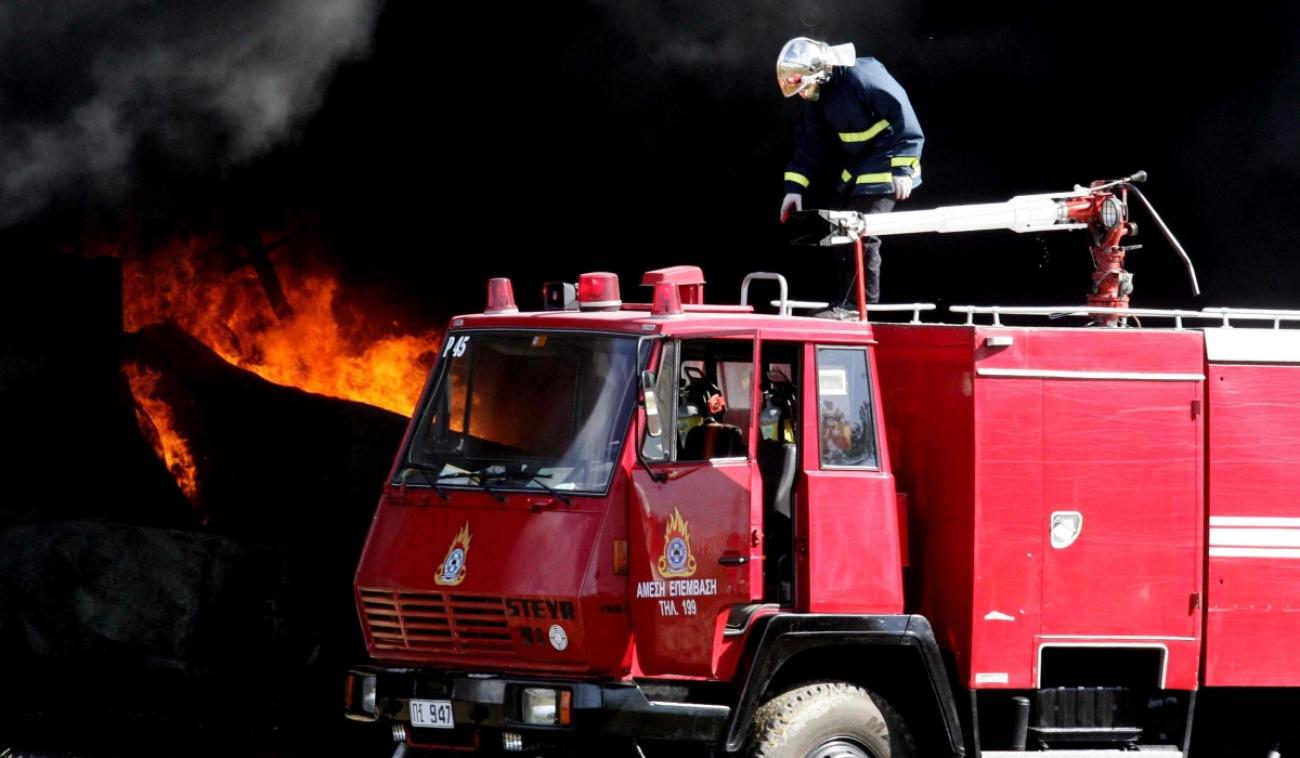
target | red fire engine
[{"x": 649, "y": 529}]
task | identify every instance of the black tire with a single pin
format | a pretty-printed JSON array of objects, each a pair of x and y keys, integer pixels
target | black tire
[{"x": 828, "y": 720}]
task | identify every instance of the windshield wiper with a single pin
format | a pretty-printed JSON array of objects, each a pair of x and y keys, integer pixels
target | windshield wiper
[
  {"x": 425, "y": 471},
  {"x": 479, "y": 477},
  {"x": 482, "y": 476},
  {"x": 533, "y": 477}
]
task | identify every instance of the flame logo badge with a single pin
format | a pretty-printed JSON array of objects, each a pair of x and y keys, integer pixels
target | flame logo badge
[
  {"x": 452, "y": 570},
  {"x": 677, "y": 560}
]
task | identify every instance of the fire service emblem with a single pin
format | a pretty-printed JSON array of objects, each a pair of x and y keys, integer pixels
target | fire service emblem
[
  {"x": 677, "y": 559},
  {"x": 452, "y": 570}
]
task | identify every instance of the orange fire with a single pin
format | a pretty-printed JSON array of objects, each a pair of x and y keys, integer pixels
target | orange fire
[
  {"x": 322, "y": 346},
  {"x": 317, "y": 340},
  {"x": 155, "y": 419}
]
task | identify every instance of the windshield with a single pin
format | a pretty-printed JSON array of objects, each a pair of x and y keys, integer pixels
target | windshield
[{"x": 534, "y": 410}]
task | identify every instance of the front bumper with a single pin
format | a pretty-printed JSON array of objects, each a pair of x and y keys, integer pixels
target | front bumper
[{"x": 487, "y": 707}]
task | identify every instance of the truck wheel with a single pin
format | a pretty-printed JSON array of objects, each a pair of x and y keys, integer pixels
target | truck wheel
[{"x": 828, "y": 720}]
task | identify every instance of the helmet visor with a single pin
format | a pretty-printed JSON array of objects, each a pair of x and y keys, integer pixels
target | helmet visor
[
  {"x": 797, "y": 65},
  {"x": 792, "y": 83},
  {"x": 804, "y": 62}
]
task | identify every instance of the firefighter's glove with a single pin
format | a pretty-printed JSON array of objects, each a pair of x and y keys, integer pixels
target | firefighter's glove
[
  {"x": 902, "y": 187},
  {"x": 792, "y": 202}
]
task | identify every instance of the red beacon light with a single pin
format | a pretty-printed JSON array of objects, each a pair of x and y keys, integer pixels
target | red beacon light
[
  {"x": 598, "y": 291},
  {"x": 500, "y": 296},
  {"x": 667, "y": 300}
]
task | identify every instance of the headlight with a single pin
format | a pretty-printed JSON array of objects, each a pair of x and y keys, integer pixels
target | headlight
[
  {"x": 547, "y": 707},
  {"x": 540, "y": 706},
  {"x": 368, "y": 689}
]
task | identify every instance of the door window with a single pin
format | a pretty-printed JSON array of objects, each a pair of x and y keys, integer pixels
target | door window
[
  {"x": 705, "y": 393},
  {"x": 846, "y": 426}
]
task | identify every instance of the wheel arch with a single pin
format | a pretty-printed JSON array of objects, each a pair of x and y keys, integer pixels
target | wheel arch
[{"x": 896, "y": 657}]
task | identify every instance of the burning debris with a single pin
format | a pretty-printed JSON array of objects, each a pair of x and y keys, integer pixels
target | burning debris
[
  {"x": 154, "y": 416},
  {"x": 318, "y": 342},
  {"x": 104, "y": 566},
  {"x": 289, "y": 321},
  {"x": 260, "y": 457}
]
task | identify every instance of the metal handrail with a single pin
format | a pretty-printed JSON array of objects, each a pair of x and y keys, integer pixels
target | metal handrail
[
  {"x": 1254, "y": 314},
  {"x": 785, "y": 289},
  {"x": 915, "y": 308},
  {"x": 789, "y": 306},
  {"x": 997, "y": 311}
]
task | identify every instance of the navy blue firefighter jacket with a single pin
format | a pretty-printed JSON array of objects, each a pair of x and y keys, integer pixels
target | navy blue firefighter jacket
[{"x": 862, "y": 125}]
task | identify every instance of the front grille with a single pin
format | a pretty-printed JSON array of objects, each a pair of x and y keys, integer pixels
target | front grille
[{"x": 440, "y": 622}]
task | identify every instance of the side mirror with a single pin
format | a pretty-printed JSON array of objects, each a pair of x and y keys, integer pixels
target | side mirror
[{"x": 653, "y": 422}]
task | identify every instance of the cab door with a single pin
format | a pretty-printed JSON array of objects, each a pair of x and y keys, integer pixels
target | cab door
[
  {"x": 695, "y": 514},
  {"x": 849, "y": 556}
]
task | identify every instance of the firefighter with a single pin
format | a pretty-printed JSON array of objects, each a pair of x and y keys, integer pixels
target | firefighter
[{"x": 856, "y": 120}]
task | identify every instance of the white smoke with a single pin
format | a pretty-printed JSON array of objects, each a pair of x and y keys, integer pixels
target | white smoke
[{"x": 84, "y": 84}]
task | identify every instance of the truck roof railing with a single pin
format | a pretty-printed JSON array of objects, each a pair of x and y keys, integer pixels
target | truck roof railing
[
  {"x": 915, "y": 308},
  {"x": 1059, "y": 311},
  {"x": 784, "y": 303},
  {"x": 1207, "y": 314},
  {"x": 786, "y": 307},
  {"x": 1254, "y": 314}
]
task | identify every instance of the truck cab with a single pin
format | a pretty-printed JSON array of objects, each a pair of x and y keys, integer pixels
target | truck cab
[{"x": 618, "y": 524}]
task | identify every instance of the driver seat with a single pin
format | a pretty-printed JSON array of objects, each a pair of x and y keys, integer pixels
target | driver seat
[{"x": 712, "y": 438}]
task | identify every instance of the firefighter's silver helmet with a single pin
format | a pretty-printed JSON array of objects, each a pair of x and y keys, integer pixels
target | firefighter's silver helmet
[{"x": 805, "y": 62}]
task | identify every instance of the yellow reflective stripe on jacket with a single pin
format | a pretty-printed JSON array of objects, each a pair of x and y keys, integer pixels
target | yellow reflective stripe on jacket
[
  {"x": 799, "y": 179},
  {"x": 845, "y": 175},
  {"x": 875, "y": 129},
  {"x": 877, "y": 178},
  {"x": 907, "y": 161}
]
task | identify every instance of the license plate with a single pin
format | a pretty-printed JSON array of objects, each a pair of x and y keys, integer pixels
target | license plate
[{"x": 432, "y": 713}]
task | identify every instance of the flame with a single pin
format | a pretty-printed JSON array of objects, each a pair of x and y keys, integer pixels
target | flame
[
  {"x": 462, "y": 537},
  {"x": 677, "y": 527},
  {"x": 452, "y": 570},
  {"x": 157, "y": 424},
  {"x": 314, "y": 336},
  {"x": 677, "y": 560},
  {"x": 323, "y": 344}
]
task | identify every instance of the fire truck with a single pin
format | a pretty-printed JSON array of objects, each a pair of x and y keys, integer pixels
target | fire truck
[{"x": 676, "y": 527}]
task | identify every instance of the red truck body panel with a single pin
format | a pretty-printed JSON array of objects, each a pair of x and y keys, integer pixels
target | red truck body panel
[
  {"x": 530, "y": 563},
  {"x": 1252, "y": 636},
  {"x": 997, "y": 431}
]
